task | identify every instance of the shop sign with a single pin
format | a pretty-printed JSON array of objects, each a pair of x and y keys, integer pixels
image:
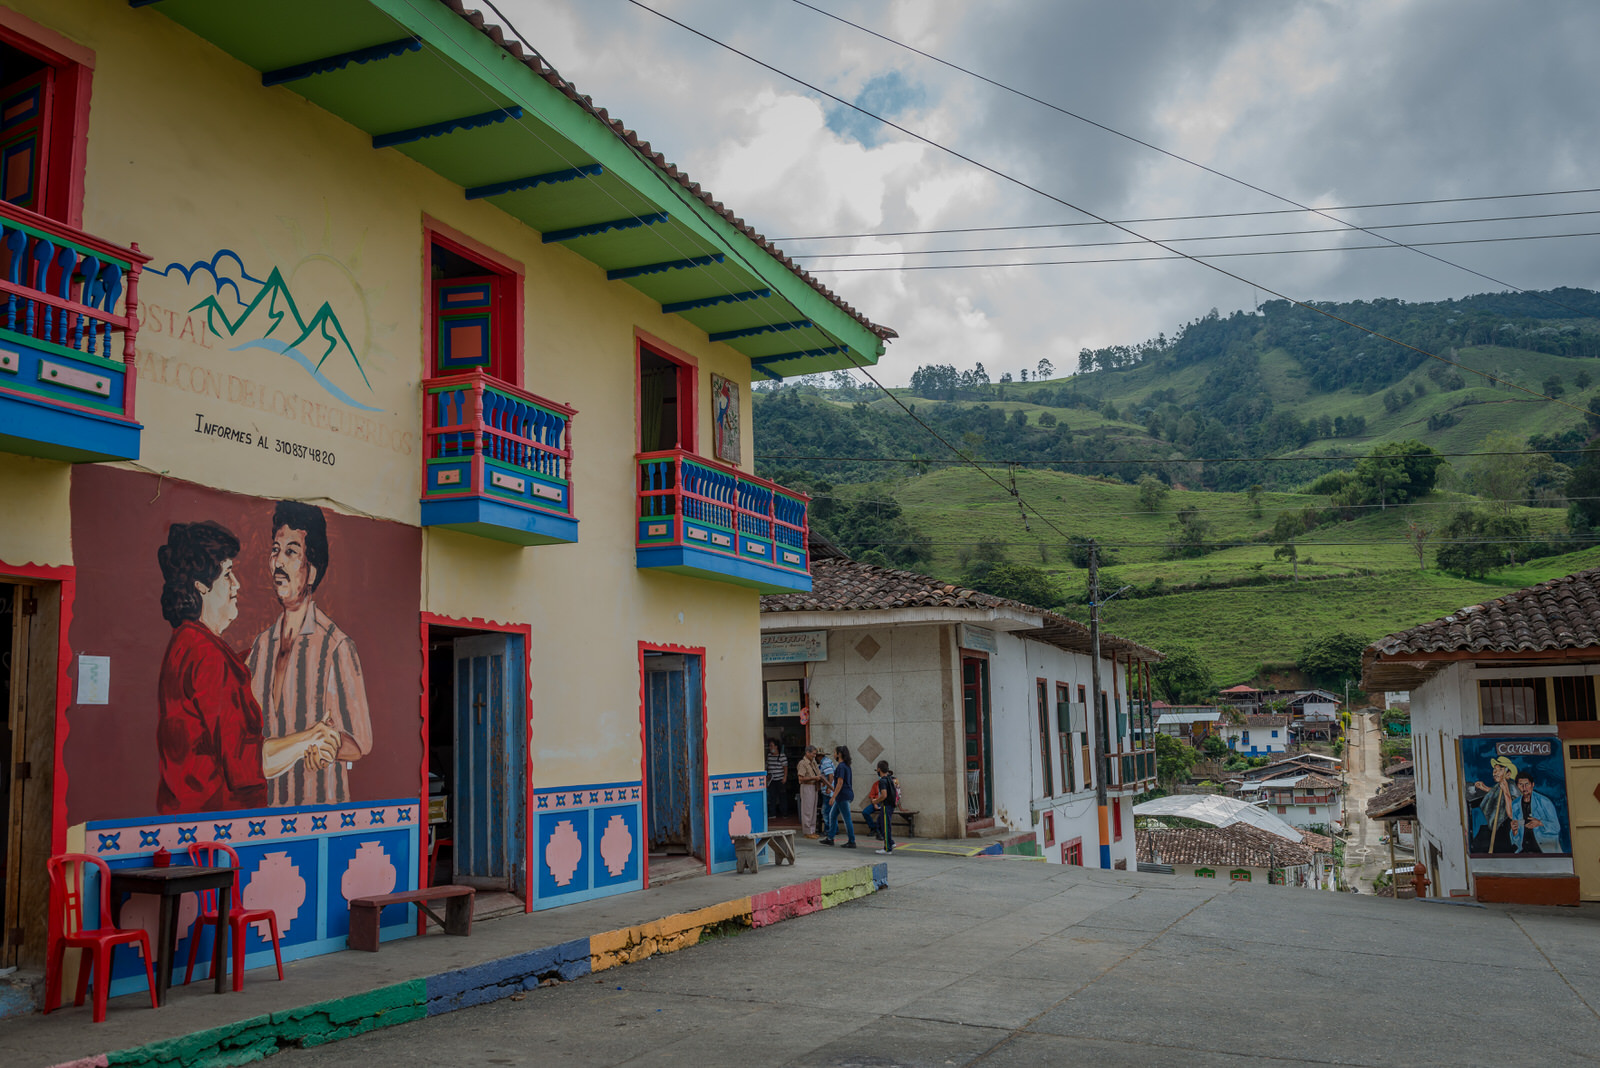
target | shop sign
[
  {"x": 783, "y": 698},
  {"x": 797, "y": 647},
  {"x": 978, "y": 639}
]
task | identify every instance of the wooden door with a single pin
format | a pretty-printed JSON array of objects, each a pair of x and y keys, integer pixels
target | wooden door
[
  {"x": 674, "y": 754},
  {"x": 975, "y": 729},
  {"x": 29, "y": 631},
  {"x": 24, "y": 122},
  {"x": 1583, "y": 809},
  {"x": 490, "y": 766},
  {"x": 467, "y": 325}
]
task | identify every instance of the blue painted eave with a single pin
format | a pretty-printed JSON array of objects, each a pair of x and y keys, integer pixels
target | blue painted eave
[
  {"x": 699, "y": 563},
  {"x": 488, "y": 518},
  {"x": 33, "y": 427}
]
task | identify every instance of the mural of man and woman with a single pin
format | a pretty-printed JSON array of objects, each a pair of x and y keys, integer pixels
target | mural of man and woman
[
  {"x": 1522, "y": 811},
  {"x": 280, "y": 725}
]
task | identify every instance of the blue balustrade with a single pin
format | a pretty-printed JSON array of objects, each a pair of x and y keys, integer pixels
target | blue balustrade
[{"x": 73, "y": 275}]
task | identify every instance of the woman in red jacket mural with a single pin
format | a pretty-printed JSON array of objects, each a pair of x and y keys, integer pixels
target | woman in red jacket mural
[{"x": 213, "y": 755}]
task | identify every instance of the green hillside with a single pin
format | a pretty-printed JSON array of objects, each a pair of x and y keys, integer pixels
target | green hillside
[{"x": 1229, "y": 423}]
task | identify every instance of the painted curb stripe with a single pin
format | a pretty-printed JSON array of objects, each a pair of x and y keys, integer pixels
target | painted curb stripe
[{"x": 247, "y": 1041}]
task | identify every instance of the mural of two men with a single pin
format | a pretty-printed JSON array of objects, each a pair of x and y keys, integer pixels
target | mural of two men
[
  {"x": 1522, "y": 812},
  {"x": 279, "y": 727}
]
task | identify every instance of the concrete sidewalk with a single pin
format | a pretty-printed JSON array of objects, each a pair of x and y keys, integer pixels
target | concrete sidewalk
[{"x": 324, "y": 999}]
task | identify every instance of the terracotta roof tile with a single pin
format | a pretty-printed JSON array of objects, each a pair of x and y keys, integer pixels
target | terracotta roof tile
[
  {"x": 1237, "y": 845},
  {"x": 843, "y": 585},
  {"x": 1563, "y": 613},
  {"x": 1392, "y": 798}
]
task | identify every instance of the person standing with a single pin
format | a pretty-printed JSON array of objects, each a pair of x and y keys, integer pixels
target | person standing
[
  {"x": 825, "y": 791},
  {"x": 810, "y": 775},
  {"x": 888, "y": 794},
  {"x": 777, "y": 776},
  {"x": 843, "y": 794}
]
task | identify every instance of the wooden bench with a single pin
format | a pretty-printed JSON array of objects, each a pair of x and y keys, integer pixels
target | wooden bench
[
  {"x": 365, "y": 912},
  {"x": 907, "y": 816},
  {"x": 747, "y": 847}
]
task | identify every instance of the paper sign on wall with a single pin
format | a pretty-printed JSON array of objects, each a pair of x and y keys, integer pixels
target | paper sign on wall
[
  {"x": 783, "y": 697},
  {"x": 94, "y": 680}
]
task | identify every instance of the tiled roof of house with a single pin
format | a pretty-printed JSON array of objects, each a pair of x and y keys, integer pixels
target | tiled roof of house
[
  {"x": 1563, "y": 613},
  {"x": 843, "y": 585},
  {"x": 1237, "y": 845},
  {"x": 1241, "y": 688},
  {"x": 536, "y": 63},
  {"x": 1266, "y": 721},
  {"x": 1393, "y": 799}
]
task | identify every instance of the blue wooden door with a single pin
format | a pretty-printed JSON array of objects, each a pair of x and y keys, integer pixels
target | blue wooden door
[
  {"x": 675, "y": 753},
  {"x": 490, "y": 763}
]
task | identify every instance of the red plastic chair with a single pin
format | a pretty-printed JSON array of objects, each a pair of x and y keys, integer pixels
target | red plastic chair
[
  {"x": 239, "y": 918},
  {"x": 66, "y": 927}
]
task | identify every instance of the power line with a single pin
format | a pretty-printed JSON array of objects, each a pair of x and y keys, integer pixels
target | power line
[
  {"x": 1200, "y": 257},
  {"x": 1198, "y": 460},
  {"x": 1003, "y": 176},
  {"x": 1184, "y": 218},
  {"x": 1154, "y": 148},
  {"x": 1203, "y": 237}
]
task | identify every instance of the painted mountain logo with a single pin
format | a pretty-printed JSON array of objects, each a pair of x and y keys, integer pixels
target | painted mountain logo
[{"x": 268, "y": 318}]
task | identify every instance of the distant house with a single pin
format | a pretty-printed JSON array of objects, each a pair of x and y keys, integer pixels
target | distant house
[
  {"x": 1189, "y": 723},
  {"x": 1308, "y": 799},
  {"x": 1258, "y": 735},
  {"x": 1506, "y": 742},
  {"x": 1241, "y": 853},
  {"x": 1247, "y": 699},
  {"x": 981, "y": 705},
  {"x": 1299, "y": 764}
]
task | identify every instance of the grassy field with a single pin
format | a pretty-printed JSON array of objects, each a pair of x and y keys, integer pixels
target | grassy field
[{"x": 1360, "y": 576}]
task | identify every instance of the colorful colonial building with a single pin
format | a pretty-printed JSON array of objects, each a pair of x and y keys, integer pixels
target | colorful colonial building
[{"x": 375, "y": 462}]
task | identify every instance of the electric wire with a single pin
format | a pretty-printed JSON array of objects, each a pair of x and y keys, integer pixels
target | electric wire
[
  {"x": 1011, "y": 179},
  {"x": 1157, "y": 148},
  {"x": 1182, "y": 218}
]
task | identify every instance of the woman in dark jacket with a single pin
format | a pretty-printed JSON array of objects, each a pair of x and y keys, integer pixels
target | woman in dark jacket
[{"x": 843, "y": 794}]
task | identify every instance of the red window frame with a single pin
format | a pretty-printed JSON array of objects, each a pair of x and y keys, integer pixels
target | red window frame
[
  {"x": 67, "y": 121},
  {"x": 688, "y": 390},
  {"x": 1072, "y": 852},
  {"x": 503, "y": 276}
]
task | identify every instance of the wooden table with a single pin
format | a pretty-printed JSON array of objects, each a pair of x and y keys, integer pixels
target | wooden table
[{"x": 170, "y": 884}]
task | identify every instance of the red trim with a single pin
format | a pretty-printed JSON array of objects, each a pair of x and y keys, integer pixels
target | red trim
[
  {"x": 688, "y": 413},
  {"x": 428, "y": 619},
  {"x": 705, "y": 761},
  {"x": 68, "y": 134},
  {"x": 507, "y": 360}
]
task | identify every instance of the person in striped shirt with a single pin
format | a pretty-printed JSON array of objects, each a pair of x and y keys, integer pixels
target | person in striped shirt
[{"x": 304, "y": 670}]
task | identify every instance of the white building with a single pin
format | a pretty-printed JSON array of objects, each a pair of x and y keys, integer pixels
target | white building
[
  {"x": 1305, "y": 800},
  {"x": 1258, "y": 735},
  {"x": 980, "y": 704},
  {"x": 1506, "y": 742}
]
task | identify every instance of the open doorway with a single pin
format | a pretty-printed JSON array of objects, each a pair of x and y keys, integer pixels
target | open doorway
[
  {"x": 30, "y": 616},
  {"x": 477, "y": 763},
  {"x": 674, "y": 723},
  {"x": 979, "y": 765},
  {"x": 666, "y": 402}
]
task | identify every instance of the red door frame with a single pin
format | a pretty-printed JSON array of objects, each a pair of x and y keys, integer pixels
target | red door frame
[
  {"x": 68, "y": 135},
  {"x": 526, "y": 630},
  {"x": 644, "y": 766},
  {"x": 509, "y": 310}
]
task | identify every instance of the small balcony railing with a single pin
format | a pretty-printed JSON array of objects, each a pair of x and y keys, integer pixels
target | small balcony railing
[
  {"x": 497, "y": 461},
  {"x": 69, "y": 314},
  {"x": 702, "y": 518},
  {"x": 1130, "y": 769}
]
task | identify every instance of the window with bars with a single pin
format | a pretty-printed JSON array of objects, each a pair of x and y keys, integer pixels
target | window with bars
[
  {"x": 1044, "y": 737},
  {"x": 1512, "y": 702},
  {"x": 1574, "y": 698}
]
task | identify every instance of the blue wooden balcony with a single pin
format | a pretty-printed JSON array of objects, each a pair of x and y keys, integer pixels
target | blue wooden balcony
[
  {"x": 700, "y": 518},
  {"x": 497, "y": 461},
  {"x": 68, "y": 318}
]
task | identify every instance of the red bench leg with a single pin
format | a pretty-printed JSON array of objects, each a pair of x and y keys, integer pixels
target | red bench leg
[{"x": 364, "y": 927}]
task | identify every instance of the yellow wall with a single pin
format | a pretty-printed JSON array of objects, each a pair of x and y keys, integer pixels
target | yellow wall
[
  {"x": 187, "y": 155},
  {"x": 34, "y": 521}
]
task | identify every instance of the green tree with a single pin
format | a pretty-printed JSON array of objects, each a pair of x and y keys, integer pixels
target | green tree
[
  {"x": 1392, "y": 474},
  {"x": 1020, "y": 582},
  {"x": 1501, "y": 473},
  {"x": 1190, "y": 535},
  {"x": 1583, "y": 496},
  {"x": 1332, "y": 659},
  {"x": 1174, "y": 760},
  {"x": 1152, "y": 491},
  {"x": 1214, "y": 748},
  {"x": 1475, "y": 543},
  {"x": 1183, "y": 676},
  {"x": 1253, "y": 494},
  {"x": 1288, "y": 551}
]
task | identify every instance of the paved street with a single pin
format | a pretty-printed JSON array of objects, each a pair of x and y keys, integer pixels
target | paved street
[
  {"x": 1365, "y": 857},
  {"x": 1009, "y": 962}
]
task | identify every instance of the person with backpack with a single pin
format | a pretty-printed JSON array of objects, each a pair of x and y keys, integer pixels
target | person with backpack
[
  {"x": 843, "y": 794},
  {"x": 886, "y": 790}
]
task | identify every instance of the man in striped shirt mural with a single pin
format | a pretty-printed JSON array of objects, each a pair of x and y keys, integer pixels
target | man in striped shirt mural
[{"x": 304, "y": 669}]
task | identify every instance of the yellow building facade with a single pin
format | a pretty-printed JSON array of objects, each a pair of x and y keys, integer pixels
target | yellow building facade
[{"x": 376, "y": 463}]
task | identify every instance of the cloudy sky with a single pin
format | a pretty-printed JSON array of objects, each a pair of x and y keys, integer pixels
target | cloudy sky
[{"x": 1327, "y": 104}]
